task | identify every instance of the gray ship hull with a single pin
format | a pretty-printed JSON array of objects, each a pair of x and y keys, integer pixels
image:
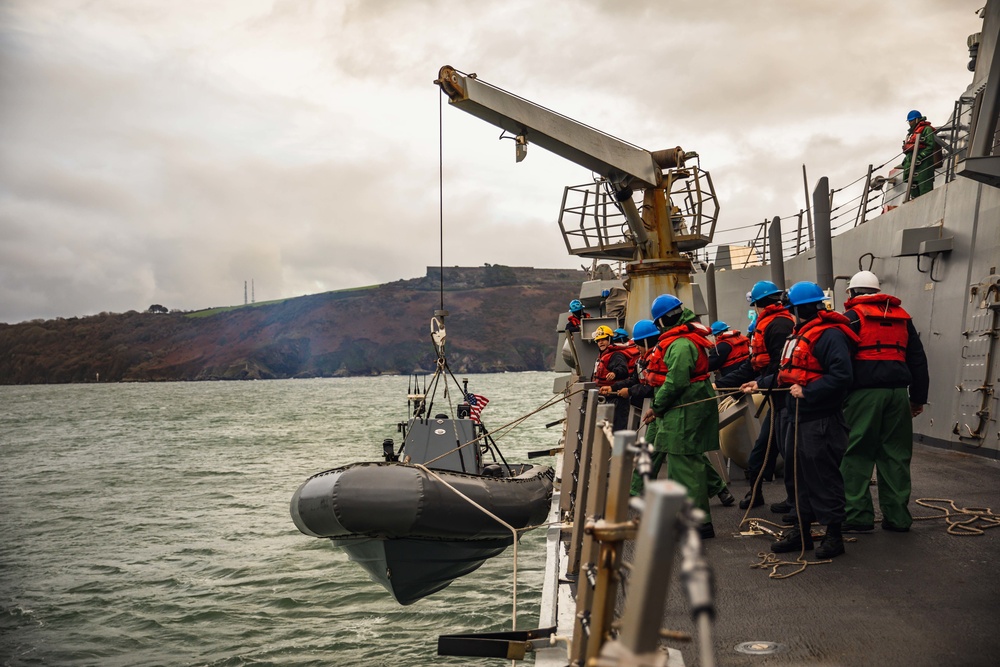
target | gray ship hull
[{"x": 951, "y": 295}]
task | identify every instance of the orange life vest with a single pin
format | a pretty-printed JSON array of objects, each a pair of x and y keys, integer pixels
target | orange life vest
[
  {"x": 759, "y": 358},
  {"x": 631, "y": 352},
  {"x": 740, "y": 345},
  {"x": 911, "y": 139},
  {"x": 647, "y": 376},
  {"x": 884, "y": 335},
  {"x": 574, "y": 321},
  {"x": 601, "y": 367},
  {"x": 798, "y": 363},
  {"x": 657, "y": 369}
]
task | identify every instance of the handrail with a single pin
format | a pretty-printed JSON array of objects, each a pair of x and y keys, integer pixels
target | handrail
[{"x": 864, "y": 189}]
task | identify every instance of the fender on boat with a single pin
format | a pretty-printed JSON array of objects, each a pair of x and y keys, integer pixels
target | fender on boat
[{"x": 396, "y": 500}]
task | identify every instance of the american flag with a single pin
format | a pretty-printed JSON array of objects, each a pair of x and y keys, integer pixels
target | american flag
[{"x": 476, "y": 405}]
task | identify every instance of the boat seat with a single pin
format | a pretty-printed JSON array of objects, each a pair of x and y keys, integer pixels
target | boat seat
[{"x": 493, "y": 470}]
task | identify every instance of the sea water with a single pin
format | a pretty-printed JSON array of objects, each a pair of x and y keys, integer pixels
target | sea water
[{"x": 148, "y": 524}]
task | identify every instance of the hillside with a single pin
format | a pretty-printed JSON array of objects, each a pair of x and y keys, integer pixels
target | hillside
[{"x": 501, "y": 319}]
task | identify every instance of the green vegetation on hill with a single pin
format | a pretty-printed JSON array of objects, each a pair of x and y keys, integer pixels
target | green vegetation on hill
[{"x": 501, "y": 319}]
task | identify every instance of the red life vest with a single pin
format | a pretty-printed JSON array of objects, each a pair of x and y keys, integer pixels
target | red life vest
[
  {"x": 631, "y": 352},
  {"x": 574, "y": 321},
  {"x": 657, "y": 369},
  {"x": 601, "y": 367},
  {"x": 918, "y": 129},
  {"x": 884, "y": 334},
  {"x": 647, "y": 374},
  {"x": 759, "y": 358},
  {"x": 798, "y": 363},
  {"x": 740, "y": 345}
]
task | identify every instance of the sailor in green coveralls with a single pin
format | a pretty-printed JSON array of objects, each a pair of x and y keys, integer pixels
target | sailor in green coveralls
[
  {"x": 684, "y": 420},
  {"x": 921, "y": 135},
  {"x": 890, "y": 389}
]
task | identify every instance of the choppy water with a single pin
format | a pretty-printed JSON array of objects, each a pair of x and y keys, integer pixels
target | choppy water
[{"x": 148, "y": 524}]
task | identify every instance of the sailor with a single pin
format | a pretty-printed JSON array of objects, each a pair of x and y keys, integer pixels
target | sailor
[
  {"x": 611, "y": 362},
  {"x": 770, "y": 328},
  {"x": 615, "y": 363},
  {"x": 880, "y": 411},
  {"x": 920, "y": 132},
  {"x": 576, "y": 315},
  {"x": 620, "y": 337},
  {"x": 730, "y": 350},
  {"x": 684, "y": 416},
  {"x": 637, "y": 387},
  {"x": 816, "y": 367}
]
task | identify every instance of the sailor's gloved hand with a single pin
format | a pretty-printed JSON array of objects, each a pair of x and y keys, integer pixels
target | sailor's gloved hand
[
  {"x": 604, "y": 391},
  {"x": 915, "y": 409},
  {"x": 623, "y": 392}
]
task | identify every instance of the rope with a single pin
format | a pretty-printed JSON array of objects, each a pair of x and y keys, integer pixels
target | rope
[
  {"x": 770, "y": 560},
  {"x": 513, "y": 613},
  {"x": 723, "y": 395},
  {"x": 767, "y": 454},
  {"x": 606, "y": 429},
  {"x": 960, "y": 521}
]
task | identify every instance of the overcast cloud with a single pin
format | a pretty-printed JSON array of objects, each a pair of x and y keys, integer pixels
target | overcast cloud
[{"x": 166, "y": 151}]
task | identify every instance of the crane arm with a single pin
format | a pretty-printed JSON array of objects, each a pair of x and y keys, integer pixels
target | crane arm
[{"x": 623, "y": 164}]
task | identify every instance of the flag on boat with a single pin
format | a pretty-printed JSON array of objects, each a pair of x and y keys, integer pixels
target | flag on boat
[{"x": 476, "y": 405}]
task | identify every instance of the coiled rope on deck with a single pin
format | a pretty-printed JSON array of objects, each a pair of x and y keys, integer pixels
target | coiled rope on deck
[{"x": 961, "y": 520}]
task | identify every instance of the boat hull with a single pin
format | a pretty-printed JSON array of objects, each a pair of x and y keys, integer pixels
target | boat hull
[
  {"x": 410, "y": 529},
  {"x": 412, "y": 569},
  {"x": 400, "y": 501}
]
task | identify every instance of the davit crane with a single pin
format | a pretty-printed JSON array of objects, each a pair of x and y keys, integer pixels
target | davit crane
[{"x": 648, "y": 209}]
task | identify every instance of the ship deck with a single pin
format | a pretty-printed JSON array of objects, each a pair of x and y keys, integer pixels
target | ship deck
[{"x": 919, "y": 598}]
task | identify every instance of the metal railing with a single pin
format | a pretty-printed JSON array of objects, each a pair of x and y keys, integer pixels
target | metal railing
[{"x": 855, "y": 203}]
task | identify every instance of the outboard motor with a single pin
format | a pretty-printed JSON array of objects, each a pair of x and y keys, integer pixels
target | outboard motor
[{"x": 388, "y": 451}]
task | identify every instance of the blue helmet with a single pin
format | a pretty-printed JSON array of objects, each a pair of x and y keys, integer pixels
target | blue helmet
[
  {"x": 620, "y": 336},
  {"x": 575, "y": 306},
  {"x": 663, "y": 304},
  {"x": 914, "y": 115},
  {"x": 644, "y": 329},
  {"x": 805, "y": 292},
  {"x": 762, "y": 289},
  {"x": 718, "y": 327}
]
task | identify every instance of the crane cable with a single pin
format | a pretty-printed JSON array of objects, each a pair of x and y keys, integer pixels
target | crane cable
[{"x": 441, "y": 192}]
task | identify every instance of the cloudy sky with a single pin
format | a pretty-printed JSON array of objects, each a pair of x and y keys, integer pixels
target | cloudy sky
[{"x": 165, "y": 151}]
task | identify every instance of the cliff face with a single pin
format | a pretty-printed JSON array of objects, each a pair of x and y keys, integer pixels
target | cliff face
[{"x": 508, "y": 326}]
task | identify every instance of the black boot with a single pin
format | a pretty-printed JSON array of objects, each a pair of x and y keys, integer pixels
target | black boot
[
  {"x": 832, "y": 544},
  {"x": 757, "y": 501},
  {"x": 707, "y": 531},
  {"x": 726, "y": 498},
  {"x": 792, "y": 541},
  {"x": 783, "y": 507}
]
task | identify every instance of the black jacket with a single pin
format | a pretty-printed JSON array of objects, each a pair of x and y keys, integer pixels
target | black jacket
[{"x": 824, "y": 396}]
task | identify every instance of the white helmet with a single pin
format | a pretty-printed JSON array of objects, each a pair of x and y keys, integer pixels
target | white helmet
[{"x": 864, "y": 280}]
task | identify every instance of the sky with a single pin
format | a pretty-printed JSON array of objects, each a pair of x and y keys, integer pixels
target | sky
[{"x": 165, "y": 152}]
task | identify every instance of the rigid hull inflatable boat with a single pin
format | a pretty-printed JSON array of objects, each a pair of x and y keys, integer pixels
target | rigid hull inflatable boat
[{"x": 418, "y": 524}]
